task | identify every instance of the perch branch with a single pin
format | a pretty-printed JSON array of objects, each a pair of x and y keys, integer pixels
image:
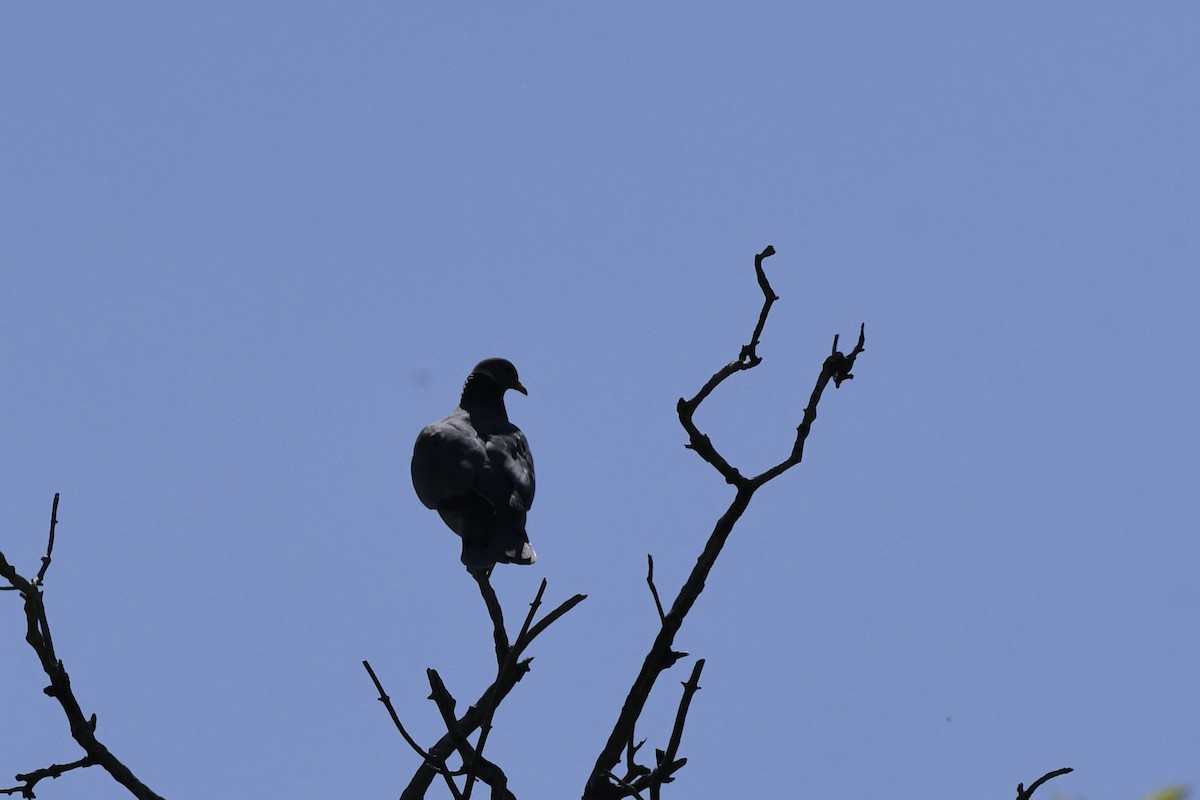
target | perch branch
[
  {"x": 499, "y": 634},
  {"x": 485, "y": 727},
  {"x": 476, "y": 715},
  {"x": 37, "y": 634}
]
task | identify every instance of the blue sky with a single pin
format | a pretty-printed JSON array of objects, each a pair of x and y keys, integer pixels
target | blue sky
[{"x": 250, "y": 249}]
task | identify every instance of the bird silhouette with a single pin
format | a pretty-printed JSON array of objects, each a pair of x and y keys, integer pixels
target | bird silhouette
[{"x": 474, "y": 468}]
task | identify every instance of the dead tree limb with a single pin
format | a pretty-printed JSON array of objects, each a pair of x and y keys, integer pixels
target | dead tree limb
[
  {"x": 661, "y": 654},
  {"x": 83, "y": 727},
  {"x": 478, "y": 715},
  {"x": 31, "y": 779},
  {"x": 499, "y": 634},
  {"x": 477, "y": 767},
  {"x": 653, "y": 588},
  {"x": 1026, "y": 794}
]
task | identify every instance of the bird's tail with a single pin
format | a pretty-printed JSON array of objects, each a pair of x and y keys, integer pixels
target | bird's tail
[{"x": 485, "y": 543}]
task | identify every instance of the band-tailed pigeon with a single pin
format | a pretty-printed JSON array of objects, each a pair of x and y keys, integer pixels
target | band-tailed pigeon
[{"x": 475, "y": 470}]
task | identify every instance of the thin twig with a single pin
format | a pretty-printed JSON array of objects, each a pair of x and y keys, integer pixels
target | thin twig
[
  {"x": 49, "y": 543},
  {"x": 633, "y": 769},
  {"x": 690, "y": 687},
  {"x": 534, "y": 605},
  {"x": 749, "y": 352},
  {"x": 37, "y": 634},
  {"x": 653, "y": 589},
  {"x": 835, "y": 368},
  {"x": 526, "y": 639},
  {"x": 667, "y": 764},
  {"x": 387, "y": 703},
  {"x": 30, "y": 779},
  {"x": 1025, "y": 794},
  {"x": 437, "y": 764},
  {"x": 445, "y": 704}
]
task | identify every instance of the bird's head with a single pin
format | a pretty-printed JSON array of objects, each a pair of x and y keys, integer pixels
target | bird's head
[{"x": 501, "y": 372}]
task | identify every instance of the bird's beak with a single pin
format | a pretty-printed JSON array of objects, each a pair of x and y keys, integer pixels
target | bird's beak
[{"x": 521, "y": 388}]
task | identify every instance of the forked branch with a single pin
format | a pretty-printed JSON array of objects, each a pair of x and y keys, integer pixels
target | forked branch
[
  {"x": 83, "y": 728},
  {"x": 511, "y": 668},
  {"x": 662, "y": 655}
]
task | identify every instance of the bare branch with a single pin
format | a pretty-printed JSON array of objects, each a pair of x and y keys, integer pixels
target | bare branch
[
  {"x": 445, "y": 703},
  {"x": 387, "y": 703},
  {"x": 479, "y": 713},
  {"x": 30, "y": 779},
  {"x": 839, "y": 365},
  {"x": 1025, "y": 794},
  {"x": 37, "y": 634},
  {"x": 653, "y": 590},
  {"x": 836, "y": 368},
  {"x": 49, "y": 543},
  {"x": 624, "y": 785},
  {"x": 750, "y": 352},
  {"x": 485, "y": 727},
  {"x": 526, "y": 638},
  {"x": 499, "y": 634},
  {"x": 690, "y": 687},
  {"x": 666, "y": 762},
  {"x": 748, "y": 358},
  {"x": 662, "y": 654},
  {"x": 480, "y": 767},
  {"x": 534, "y": 605},
  {"x": 632, "y": 768}
]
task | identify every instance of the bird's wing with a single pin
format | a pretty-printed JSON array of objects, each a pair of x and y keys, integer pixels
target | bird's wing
[
  {"x": 447, "y": 459},
  {"x": 509, "y": 455}
]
